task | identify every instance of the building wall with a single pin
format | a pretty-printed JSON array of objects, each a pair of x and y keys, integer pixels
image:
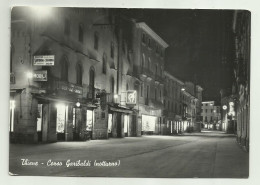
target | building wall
[
  {"x": 241, "y": 87},
  {"x": 42, "y": 38}
]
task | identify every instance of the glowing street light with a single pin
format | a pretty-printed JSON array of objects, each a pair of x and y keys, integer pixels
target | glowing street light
[
  {"x": 29, "y": 74},
  {"x": 78, "y": 104},
  {"x": 183, "y": 89}
]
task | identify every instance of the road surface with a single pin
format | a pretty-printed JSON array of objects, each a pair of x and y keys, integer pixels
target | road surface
[{"x": 201, "y": 155}]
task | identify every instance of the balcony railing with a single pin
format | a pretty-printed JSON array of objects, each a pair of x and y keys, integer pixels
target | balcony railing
[{"x": 158, "y": 78}]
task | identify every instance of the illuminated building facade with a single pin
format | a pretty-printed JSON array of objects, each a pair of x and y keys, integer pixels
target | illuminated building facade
[
  {"x": 211, "y": 115},
  {"x": 173, "y": 106},
  {"x": 61, "y": 75},
  {"x": 148, "y": 67}
]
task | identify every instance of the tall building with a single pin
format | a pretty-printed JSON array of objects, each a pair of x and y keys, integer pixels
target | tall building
[
  {"x": 148, "y": 67},
  {"x": 62, "y": 66}
]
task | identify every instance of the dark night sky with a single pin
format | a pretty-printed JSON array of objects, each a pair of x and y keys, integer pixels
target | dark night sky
[{"x": 199, "y": 40}]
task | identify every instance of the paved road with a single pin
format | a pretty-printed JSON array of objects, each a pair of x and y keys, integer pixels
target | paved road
[{"x": 205, "y": 155}]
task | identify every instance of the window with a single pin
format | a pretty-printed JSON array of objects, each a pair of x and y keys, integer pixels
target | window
[
  {"x": 127, "y": 87},
  {"x": 112, "y": 50},
  {"x": 161, "y": 53},
  {"x": 64, "y": 69},
  {"x": 104, "y": 65},
  {"x": 112, "y": 88},
  {"x": 157, "y": 49},
  {"x": 96, "y": 40},
  {"x": 149, "y": 43},
  {"x": 142, "y": 90},
  {"x": 79, "y": 74},
  {"x": 149, "y": 64},
  {"x": 81, "y": 33},
  {"x": 92, "y": 82},
  {"x": 143, "y": 38},
  {"x": 67, "y": 27},
  {"x": 160, "y": 93},
  {"x": 143, "y": 61},
  {"x": 156, "y": 68},
  {"x": 155, "y": 94}
]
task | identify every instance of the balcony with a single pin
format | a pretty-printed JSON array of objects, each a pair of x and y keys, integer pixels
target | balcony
[
  {"x": 146, "y": 73},
  {"x": 158, "y": 79}
]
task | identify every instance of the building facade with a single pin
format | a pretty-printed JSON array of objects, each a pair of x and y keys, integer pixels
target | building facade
[
  {"x": 60, "y": 75},
  {"x": 173, "y": 106},
  {"x": 241, "y": 86},
  {"x": 211, "y": 115}
]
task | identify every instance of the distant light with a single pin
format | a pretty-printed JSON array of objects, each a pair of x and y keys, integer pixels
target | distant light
[
  {"x": 29, "y": 75},
  {"x": 115, "y": 96},
  {"x": 211, "y": 104},
  {"x": 224, "y": 107},
  {"x": 183, "y": 89},
  {"x": 78, "y": 104}
]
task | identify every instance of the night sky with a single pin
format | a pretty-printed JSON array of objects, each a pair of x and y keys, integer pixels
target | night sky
[{"x": 200, "y": 45}]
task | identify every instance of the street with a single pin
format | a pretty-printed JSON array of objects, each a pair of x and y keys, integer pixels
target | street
[{"x": 197, "y": 155}]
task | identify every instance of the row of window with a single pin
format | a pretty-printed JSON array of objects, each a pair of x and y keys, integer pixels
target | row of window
[
  {"x": 170, "y": 106},
  {"x": 148, "y": 64},
  {"x": 81, "y": 36},
  {"x": 151, "y": 44}
]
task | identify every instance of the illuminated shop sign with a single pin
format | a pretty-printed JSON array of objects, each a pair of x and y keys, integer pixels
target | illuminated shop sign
[
  {"x": 40, "y": 75},
  {"x": 131, "y": 97},
  {"x": 72, "y": 88},
  {"x": 43, "y": 60}
]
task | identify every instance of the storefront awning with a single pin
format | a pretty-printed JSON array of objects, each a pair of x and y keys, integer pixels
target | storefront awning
[{"x": 120, "y": 109}]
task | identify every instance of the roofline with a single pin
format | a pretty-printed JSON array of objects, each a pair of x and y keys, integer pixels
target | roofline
[
  {"x": 155, "y": 36},
  {"x": 174, "y": 78}
]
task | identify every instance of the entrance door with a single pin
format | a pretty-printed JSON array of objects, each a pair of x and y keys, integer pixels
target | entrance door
[{"x": 61, "y": 121}]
